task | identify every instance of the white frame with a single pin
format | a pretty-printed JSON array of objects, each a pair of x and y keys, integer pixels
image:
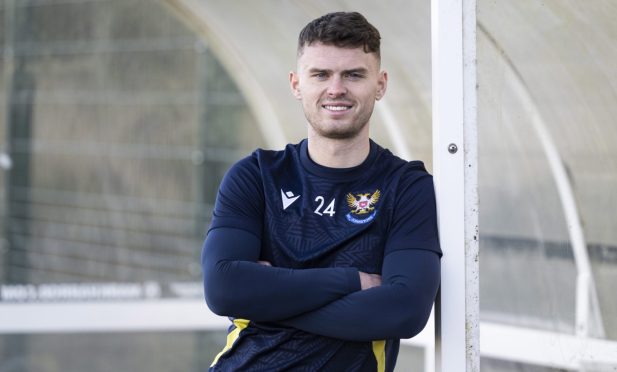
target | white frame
[{"x": 453, "y": 35}]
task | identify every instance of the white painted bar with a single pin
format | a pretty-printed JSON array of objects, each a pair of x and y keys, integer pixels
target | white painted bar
[
  {"x": 472, "y": 231},
  {"x": 537, "y": 347},
  {"x": 504, "y": 342},
  {"x": 121, "y": 316},
  {"x": 454, "y": 128},
  {"x": 544, "y": 348}
]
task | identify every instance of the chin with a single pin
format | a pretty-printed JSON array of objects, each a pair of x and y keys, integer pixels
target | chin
[
  {"x": 339, "y": 134},
  {"x": 336, "y": 129}
]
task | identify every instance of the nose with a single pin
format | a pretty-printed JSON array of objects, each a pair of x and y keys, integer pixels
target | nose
[{"x": 336, "y": 88}]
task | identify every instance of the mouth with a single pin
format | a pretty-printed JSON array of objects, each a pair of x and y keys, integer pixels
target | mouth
[{"x": 337, "y": 107}]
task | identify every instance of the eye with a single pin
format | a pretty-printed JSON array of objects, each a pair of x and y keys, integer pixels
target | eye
[
  {"x": 354, "y": 75},
  {"x": 321, "y": 75}
]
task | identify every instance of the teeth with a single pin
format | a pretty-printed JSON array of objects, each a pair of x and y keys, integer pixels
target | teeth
[{"x": 336, "y": 108}]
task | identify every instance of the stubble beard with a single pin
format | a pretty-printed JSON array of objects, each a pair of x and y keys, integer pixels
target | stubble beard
[{"x": 331, "y": 129}]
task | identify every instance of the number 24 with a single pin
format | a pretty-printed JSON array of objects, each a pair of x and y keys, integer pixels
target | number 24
[{"x": 329, "y": 209}]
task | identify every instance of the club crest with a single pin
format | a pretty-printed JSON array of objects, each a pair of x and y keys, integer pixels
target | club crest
[{"x": 362, "y": 207}]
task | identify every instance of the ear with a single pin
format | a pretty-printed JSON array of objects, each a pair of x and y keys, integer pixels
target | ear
[
  {"x": 294, "y": 83},
  {"x": 382, "y": 85}
]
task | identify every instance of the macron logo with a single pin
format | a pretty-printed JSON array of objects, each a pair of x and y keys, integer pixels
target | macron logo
[{"x": 288, "y": 198}]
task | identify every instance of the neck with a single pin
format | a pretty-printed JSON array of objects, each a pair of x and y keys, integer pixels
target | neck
[{"x": 338, "y": 153}]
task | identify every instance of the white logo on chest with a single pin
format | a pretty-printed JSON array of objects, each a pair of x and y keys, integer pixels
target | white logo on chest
[{"x": 288, "y": 198}]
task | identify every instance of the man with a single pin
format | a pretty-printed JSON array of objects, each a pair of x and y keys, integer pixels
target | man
[{"x": 324, "y": 254}]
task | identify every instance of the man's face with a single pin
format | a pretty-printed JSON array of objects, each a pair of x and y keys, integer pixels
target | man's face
[{"x": 338, "y": 88}]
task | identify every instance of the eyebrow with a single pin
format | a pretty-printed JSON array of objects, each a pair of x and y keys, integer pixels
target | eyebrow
[{"x": 361, "y": 70}]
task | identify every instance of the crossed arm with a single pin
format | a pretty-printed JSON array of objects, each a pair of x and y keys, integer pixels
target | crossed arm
[
  {"x": 325, "y": 301},
  {"x": 236, "y": 285}
]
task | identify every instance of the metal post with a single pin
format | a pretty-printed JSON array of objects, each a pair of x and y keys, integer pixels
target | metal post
[
  {"x": 19, "y": 121},
  {"x": 202, "y": 188},
  {"x": 453, "y": 29}
]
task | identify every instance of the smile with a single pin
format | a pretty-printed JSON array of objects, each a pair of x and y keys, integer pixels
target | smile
[{"x": 336, "y": 108}]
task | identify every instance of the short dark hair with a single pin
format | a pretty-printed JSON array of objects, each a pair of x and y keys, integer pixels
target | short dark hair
[{"x": 341, "y": 29}]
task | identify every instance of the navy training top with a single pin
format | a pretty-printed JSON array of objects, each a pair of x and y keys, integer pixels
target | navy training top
[{"x": 318, "y": 227}]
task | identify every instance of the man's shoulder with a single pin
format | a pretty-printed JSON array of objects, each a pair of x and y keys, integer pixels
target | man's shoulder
[
  {"x": 385, "y": 154},
  {"x": 262, "y": 163},
  {"x": 416, "y": 166},
  {"x": 264, "y": 156},
  {"x": 245, "y": 166},
  {"x": 403, "y": 168}
]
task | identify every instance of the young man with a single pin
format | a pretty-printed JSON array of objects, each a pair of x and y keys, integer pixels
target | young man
[{"x": 326, "y": 253}]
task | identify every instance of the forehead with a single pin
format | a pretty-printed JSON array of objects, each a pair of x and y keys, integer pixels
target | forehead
[{"x": 330, "y": 57}]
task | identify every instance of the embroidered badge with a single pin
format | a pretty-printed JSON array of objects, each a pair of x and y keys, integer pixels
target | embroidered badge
[{"x": 362, "y": 207}]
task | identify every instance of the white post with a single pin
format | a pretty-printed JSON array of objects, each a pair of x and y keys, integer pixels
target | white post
[{"x": 455, "y": 167}]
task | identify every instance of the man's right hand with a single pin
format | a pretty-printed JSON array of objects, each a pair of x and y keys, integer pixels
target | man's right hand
[{"x": 369, "y": 280}]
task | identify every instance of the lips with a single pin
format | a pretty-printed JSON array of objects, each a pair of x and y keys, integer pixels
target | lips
[{"x": 337, "y": 107}]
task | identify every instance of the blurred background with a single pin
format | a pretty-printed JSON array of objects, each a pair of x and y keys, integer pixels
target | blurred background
[{"x": 119, "y": 118}]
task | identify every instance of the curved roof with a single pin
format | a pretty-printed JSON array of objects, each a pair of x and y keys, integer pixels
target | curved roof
[
  {"x": 562, "y": 52},
  {"x": 257, "y": 43}
]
